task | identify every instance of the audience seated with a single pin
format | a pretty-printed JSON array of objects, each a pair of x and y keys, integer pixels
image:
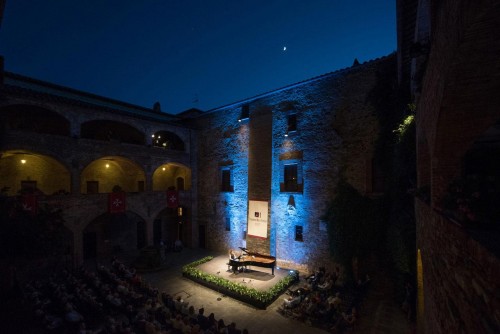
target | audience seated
[
  {"x": 114, "y": 300},
  {"x": 324, "y": 302},
  {"x": 291, "y": 302}
]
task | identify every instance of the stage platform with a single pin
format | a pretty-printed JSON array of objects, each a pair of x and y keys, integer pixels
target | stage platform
[{"x": 255, "y": 277}]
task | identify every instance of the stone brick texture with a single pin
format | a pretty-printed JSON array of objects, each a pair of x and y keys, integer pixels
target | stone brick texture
[
  {"x": 461, "y": 277},
  {"x": 66, "y": 158},
  {"x": 336, "y": 132},
  {"x": 458, "y": 103}
]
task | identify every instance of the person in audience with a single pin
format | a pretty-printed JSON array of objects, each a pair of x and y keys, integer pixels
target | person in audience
[
  {"x": 177, "y": 322},
  {"x": 231, "y": 329},
  {"x": 292, "y": 301},
  {"x": 202, "y": 319},
  {"x": 71, "y": 315},
  {"x": 212, "y": 322},
  {"x": 335, "y": 301},
  {"x": 221, "y": 327},
  {"x": 326, "y": 285},
  {"x": 193, "y": 317},
  {"x": 345, "y": 321},
  {"x": 186, "y": 325},
  {"x": 178, "y": 304}
]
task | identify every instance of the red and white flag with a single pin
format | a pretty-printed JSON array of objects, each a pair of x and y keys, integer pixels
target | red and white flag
[
  {"x": 117, "y": 202},
  {"x": 30, "y": 203},
  {"x": 172, "y": 198}
]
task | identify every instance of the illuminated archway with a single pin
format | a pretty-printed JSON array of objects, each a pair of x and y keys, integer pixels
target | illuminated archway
[
  {"x": 167, "y": 140},
  {"x": 24, "y": 169},
  {"x": 102, "y": 175},
  {"x": 171, "y": 175}
]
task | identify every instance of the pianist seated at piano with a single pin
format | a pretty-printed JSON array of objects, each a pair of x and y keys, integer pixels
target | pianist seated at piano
[
  {"x": 247, "y": 258},
  {"x": 232, "y": 256}
]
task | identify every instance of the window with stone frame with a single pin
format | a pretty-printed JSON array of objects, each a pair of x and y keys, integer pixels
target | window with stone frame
[
  {"x": 299, "y": 233},
  {"x": 226, "y": 180},
  {"x": 228, "y": 224},
  {"x": 291, "y": 123},
  {"x": 291, "y": 175}
]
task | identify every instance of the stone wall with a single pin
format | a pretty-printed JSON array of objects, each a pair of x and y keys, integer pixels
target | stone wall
[
  {"x": 459, "y": 99},
  {"x": 336, "y": 133},
  {"x": 457, "y": 105},
  {"x": 71, "y": 154},
  {"x": 461, "y": 277}
]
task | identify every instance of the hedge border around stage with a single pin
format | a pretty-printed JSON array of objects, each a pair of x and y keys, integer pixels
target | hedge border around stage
[{"x": 259, "y": 299}]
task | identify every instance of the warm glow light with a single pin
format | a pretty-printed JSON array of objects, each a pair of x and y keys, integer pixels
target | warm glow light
[
  {"x": 163, "y": 168},
  {"x": 153, "y": 136},
  {"x": 23, "y": 161},
  {"x": 107, "y": 165}
]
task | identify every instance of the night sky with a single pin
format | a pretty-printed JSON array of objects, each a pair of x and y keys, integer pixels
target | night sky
[{"x": 190, "y": 53}]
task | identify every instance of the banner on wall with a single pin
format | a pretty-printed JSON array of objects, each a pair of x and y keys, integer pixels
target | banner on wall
[
  {"x": 257, "y": 218},
  {"x": 30, "y": 203},
  {"x": 172, "y": 198},
  {"x": 117, "y": 202}
]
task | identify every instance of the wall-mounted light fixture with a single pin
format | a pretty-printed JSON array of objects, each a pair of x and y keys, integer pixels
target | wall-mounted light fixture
[
  {"x": 107, "y": 165},
  {"x": 245, "y": 113},
  {"x": 23, "y": 161}
]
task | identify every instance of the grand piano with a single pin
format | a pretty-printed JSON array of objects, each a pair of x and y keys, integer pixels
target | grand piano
[{"x": 248, "y": 258}]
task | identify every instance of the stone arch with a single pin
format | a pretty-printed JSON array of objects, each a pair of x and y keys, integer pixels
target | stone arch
[
  {"x": 32, "y": 118},
  {"x": 108, "y": 234},
  {"x": 168, "y": 226},
  {"x": 101, "y": 175},
  {"x": 168, "y": 140},
  {"x": 110, "y": 130},
  {"x": 21, "y": 168},
  {"x": 166, "y": 175}
]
